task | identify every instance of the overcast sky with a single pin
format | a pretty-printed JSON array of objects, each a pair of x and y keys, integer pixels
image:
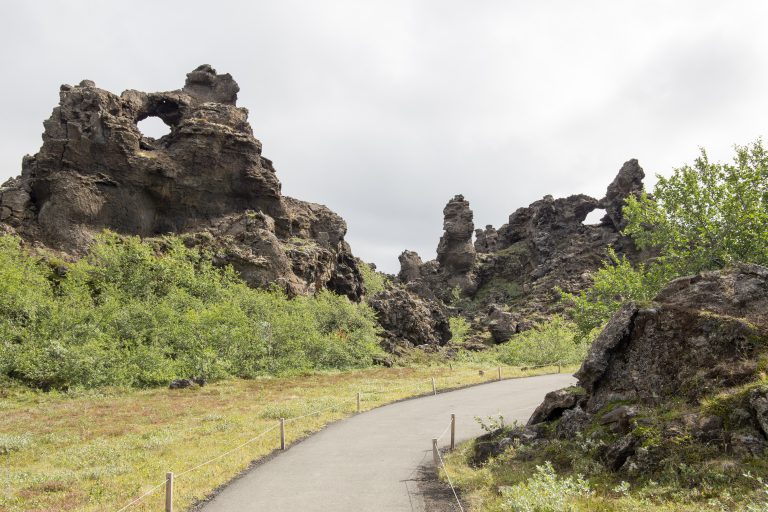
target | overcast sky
[{"x": 383, "y": 110}]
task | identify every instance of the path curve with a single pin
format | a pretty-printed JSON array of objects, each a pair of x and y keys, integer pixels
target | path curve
[{"x": 370, "y": 462}]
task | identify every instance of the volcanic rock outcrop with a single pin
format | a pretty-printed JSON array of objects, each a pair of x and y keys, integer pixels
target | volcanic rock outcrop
[
  {"x": 410, "y": 320},
  {"x": 455, "y": 252},
  {"x": 684, "y": 371},
  {"x": 206, "y": 180},
  {"x": 509, "y": 279}
]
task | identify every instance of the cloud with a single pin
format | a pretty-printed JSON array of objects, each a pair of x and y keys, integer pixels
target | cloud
[{"x": 385, "y": 110}]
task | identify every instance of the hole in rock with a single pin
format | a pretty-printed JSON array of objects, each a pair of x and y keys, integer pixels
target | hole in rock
[
  {"x": 594, "y": 217},
  {"x": 153, "y": 127}
]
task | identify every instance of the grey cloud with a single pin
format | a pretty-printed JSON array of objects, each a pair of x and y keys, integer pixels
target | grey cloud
[{"x": 383, "y": 110}]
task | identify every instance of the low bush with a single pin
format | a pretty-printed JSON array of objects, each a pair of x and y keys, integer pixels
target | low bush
[
  {"x": 544, "y": 492},
  {"x": 555, "y": 341},
  {"x": 138, "y": 313}
]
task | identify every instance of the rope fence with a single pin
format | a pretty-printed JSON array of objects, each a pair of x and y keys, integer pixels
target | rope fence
[
  {"x": 438, "y": 458},
  {"x": 170, "y": 478}
]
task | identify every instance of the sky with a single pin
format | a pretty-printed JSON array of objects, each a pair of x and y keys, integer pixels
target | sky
[{"x": 385, "y": 109}]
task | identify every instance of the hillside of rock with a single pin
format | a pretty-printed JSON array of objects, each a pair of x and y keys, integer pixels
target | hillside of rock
[
  {"x": 506, "y": 280},
  {"x": 206, "y": 180}
]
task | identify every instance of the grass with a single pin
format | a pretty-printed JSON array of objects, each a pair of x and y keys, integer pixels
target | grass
[
  {"x": 488, "y": 488},
  {"x": 100, "y": 449}
]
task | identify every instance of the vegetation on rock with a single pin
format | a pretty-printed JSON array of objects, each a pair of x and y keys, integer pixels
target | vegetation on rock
[{"x": 703, "y": 217}]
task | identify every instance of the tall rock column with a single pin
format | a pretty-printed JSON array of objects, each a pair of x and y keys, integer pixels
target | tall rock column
[
  {"x": 455, "y": 253},
  {"x": 629, "y": 182}
]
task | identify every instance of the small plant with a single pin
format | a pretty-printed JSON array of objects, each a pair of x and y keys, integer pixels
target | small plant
[
  {"x": 490, "y": 424},
  {"x": 622, "y": 488},
  {"x": 373, "y": 281},
  {"x": 545, "y": 492},
  {"x": 762, "y": 505},
  {"x": 459, "y": 329}
]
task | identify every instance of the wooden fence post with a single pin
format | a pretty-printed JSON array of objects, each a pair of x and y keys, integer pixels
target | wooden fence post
[
  {"x": 282, "y": 433},
  {"x": 435, "y": 456},
  {"x": 499, "y": 372},
  {"x": 169, "y": 492},
  {"x": 453, "y": 431},
  {"x": 358, "y": 402},
  {"x": 434, "y": 387},
  {"x": 558, "y": 368}
]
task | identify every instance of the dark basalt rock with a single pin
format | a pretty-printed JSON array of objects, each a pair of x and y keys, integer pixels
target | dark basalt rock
[
  {"x": 629, "y": 182},
  {"x": 554, "y": 404},
  {"x": 521, "y": 265},
  {"x": 501, "y": 324},
  {"x": 615, "y": 455},
  {"x": 699, "y": 340},
  {"x": 455, "y": 252},
  {"x": 410, "y": 320},
  {"x": 186, "y": 383},
  {"x": 486, "y": 240},
  {"x": 702, "y": 333},
  {"x": 758, "y": 401},
  {"x": 410, "y": 266},
  {"x": 206, "y": 179}
]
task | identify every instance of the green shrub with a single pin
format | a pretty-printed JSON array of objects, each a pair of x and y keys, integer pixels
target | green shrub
[
  {"x": 614, "y": 284},
  {"x": 136, "y": 313},
  {"x": 544, "y": 492},
  {"x": 707, "y": 215},
  {"x": 703, "y": 217},
  {"x": 459, "y": 329},
  {"x": 552, "y": 342},
  {"x": 373, "y": 281}
]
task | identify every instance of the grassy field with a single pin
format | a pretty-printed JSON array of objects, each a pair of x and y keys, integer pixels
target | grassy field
[{"x": 99, "y": 450}]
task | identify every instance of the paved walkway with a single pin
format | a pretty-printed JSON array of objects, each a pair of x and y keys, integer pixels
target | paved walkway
[{"x": 370, "y": 462}]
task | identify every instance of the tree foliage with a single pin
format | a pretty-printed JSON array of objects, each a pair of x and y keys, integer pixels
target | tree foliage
[
  {"x": 133, "y": 313},
  {"x": 708, "y": 215},
  {"x": 615, "y": 283},
  {"x": 703, "y": 217}
]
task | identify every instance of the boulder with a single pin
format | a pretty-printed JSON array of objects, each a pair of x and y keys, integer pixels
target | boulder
[
  {"x": 748, "y": 444},
  {"x": 616, "y": 454},
  {"x": 410, "y": 266},
  {"x": 572, "y": 423},
  {"x": 501, "y": 324},
  {"x": 618, "y": 419},
  {"x": 710, "y": 325},
  {"x": 555, "y": 404},
  {"x": 758, "y": 400}
]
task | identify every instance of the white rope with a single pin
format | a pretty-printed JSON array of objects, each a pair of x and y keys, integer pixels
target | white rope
[
  {"x": 444, "y": 432},
  {"x": 229, "y": 451},
  {"x": 144, "y": 495},
  {"x": 334, "y": 406},
  {"x": 448, "y": 477}
]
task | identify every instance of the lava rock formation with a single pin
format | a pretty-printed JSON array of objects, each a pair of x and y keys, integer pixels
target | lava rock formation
[{"x": 206, "y": 180}]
